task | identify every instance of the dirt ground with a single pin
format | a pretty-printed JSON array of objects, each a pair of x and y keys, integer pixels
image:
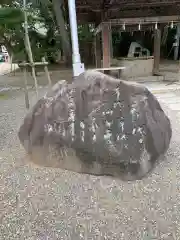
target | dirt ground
[
  {"x": 38, "y": 203},
  {"x": 168, "y": 69},
  {"x": 17, "y": 79}
]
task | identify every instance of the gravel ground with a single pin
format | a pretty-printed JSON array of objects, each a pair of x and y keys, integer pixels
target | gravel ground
[
  {"x": 40, "y": 203},
  {"x": 9, "y": 80}
]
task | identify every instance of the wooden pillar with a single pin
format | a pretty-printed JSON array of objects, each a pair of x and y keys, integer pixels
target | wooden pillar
[
  {"x": 111, "y": 44},
  {"x": 106, "y": 44},
  {"x": 97, "y": 47},
  {"x": 157, "y": 50},
  {"x": 176, "y": 48},
  {"x": 178, "y": 73}
]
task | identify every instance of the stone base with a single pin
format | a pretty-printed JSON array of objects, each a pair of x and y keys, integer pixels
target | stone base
[{"x": 135, "y": 67}]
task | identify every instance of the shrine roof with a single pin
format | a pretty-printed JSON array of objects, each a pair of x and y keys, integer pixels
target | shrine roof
[{"x": 94, "y": 11}]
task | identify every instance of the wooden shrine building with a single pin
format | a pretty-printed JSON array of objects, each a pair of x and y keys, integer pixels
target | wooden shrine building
[{"x": 127, "y": 15}]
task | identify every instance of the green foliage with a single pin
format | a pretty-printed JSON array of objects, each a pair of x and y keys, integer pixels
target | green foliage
[
  {"x": 11, "y": 20},
  {"x": 85, "y": 32},
  {"x": 4, "y": 96},
  {"x": 10, "y": 15},
  {"x": 40, "y": 13}
]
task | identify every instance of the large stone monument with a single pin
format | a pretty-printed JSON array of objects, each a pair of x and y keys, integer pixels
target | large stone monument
[{"x": 97, "y": 125}]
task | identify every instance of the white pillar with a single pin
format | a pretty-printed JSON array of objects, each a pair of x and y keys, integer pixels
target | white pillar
[{"x": 78, "y": 67}]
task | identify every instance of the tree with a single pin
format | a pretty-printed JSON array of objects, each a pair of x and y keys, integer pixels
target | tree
[
  {"x": 50, "y": 15},
  {"x": 10, "y": 26},
  {"x": 56, "y": 6},
  {"x": 12, "y": 31}
]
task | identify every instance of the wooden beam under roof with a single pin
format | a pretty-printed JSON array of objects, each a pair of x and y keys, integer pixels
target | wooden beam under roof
[{"x": 144, "y": 21}]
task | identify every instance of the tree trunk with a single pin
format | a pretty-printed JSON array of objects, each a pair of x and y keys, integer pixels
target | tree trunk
[{"x": 62, "y": 29}]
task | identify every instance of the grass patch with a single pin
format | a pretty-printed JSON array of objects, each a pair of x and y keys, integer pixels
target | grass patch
[{"x": 4, "y": 96}]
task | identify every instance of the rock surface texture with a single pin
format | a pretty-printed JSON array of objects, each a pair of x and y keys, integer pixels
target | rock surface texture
[{"x": 97, "y": 125}]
